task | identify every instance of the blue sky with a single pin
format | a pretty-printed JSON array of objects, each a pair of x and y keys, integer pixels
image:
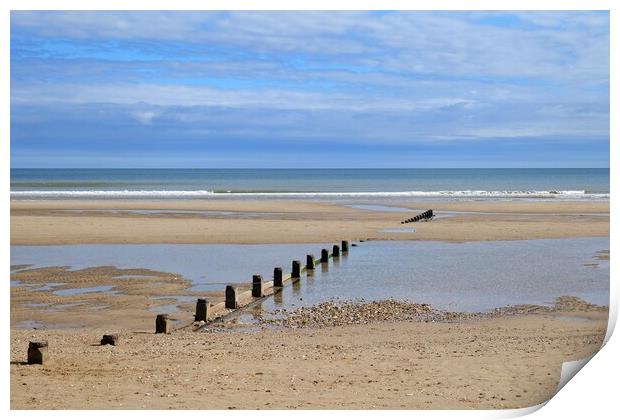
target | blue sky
[{"x": 309, "y": 89}]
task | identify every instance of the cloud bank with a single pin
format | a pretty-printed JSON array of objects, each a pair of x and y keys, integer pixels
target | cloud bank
[{"x": 381, "y": 88}]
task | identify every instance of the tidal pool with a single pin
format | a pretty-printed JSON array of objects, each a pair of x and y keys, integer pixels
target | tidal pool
[
  {"x": 399, "y": 230},
  {"x": 82, "y": 290},
  {"x": 472, "y": 276},
  {"x": 208, "y": 266}
]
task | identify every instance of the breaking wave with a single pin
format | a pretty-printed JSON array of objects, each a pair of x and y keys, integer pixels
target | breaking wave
[{"x": 552, "y": 194}]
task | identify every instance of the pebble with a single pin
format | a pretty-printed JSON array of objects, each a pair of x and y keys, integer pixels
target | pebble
[{"x": 336, "y": 313}]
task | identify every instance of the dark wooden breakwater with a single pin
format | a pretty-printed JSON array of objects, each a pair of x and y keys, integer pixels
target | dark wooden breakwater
[
  {"x": 235, "y": 298},
  {"x": 427, "y": 215},
  {"x": 239, "y": 297}
]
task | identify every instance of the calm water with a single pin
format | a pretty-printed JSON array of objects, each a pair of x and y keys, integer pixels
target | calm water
[
  {"x": 311, "y": 183},
  {"x": 475, "y": 276},
  {"x": 208, "y": 266}
]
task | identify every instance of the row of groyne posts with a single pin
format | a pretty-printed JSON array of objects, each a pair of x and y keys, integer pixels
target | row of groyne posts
[
  {"x": 235, "y": 298},
  {"x": 427, "y": 215}
]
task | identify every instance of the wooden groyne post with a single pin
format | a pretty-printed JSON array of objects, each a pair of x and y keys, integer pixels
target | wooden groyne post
[
  {"x": 257, "y": 285},
  {"x": 163, "y": 325},
  {"x": 324, "y": 256},
  {"x": 37, "y": 352},
  {"x": 310, "y": 262},
  {"x": 296, "y": 272},
  {"x": 335, "y": 251},
  {"x": 231, "y": 297},
  {"x": 345, "y": 246},
  {"x": 277, "y": 277},
  {"x": 202, "y": 310}
]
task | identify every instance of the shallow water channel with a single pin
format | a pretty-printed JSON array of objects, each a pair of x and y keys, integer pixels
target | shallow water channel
[{"x": 472, "y": 276}]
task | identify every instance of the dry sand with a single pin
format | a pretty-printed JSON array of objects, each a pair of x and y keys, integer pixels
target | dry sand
[
  {"x": 507, "y": 362},
  {"x": 289, "y": 221}
]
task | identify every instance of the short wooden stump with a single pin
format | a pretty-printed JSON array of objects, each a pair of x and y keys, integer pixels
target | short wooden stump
[
  {"x": 37, "y": 352},
  {"x": 111, "y": 339},
  {"x": 163, "y": 325},
  {"x": 202, "y": 310}
]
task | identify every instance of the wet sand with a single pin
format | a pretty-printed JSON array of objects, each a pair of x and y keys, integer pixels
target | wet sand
[
  {"x": 289, "y": 221},
  {"x": 137, "y": 296}
]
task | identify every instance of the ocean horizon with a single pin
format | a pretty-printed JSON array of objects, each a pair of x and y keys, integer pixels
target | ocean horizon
[{"x": 530, "y": 183}]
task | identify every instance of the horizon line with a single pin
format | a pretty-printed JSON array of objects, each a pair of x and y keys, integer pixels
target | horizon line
[{"x": 317, "y": 168}]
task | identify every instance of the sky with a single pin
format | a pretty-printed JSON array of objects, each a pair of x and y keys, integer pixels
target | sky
[{"x": 309, "y": 89}]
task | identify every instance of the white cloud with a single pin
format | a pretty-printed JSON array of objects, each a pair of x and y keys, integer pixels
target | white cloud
[
  {"x": 174, "y": 95},
  {"x": 559, "y": 46},
  {"x": 371, "y": 77},
  {"x": 144, "y": 117}
]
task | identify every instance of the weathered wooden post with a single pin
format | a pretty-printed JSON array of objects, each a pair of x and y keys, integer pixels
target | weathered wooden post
[
  {"x": 231, "y": 297},
  {"x": 295, "y": 273},
  {"x": 345, "y": 246},
  {"x": 309, "y": 262},
  {"x": 202, "y": 310},
  {"x": 163, "y": 325},
  {"x": 257, "y": 285},
  {"x": 37, "y": 352},
  {"x": 324, "y": 256},
  {"x": 111, "y": 339},
  {"x": 277, "y": 277},
  {"x": 336, "y": 251}
]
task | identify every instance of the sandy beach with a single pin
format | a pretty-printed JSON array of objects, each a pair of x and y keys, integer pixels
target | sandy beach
[
  {"x": 506, "y": 359},
  {"x": 289, "y": 221},
  {"x": 507, "y": 362}
]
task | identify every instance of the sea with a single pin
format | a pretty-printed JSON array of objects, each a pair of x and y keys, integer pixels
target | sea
[{"x": 457, "y": 184}]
